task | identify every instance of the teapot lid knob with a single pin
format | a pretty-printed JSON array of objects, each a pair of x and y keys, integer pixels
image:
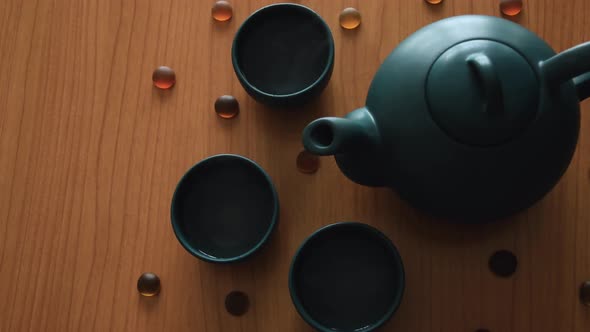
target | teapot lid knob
[{"x": 482, "y": 92}]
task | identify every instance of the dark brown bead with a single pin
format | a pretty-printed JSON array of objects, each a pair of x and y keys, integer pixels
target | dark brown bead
[
  {"x": 503, "y": 263},
  {"x": 148, "y": 284},
  {"x": 164, "y": 77},
  {"x": 227, "y": 106},
  {"x": 585, "y": 293},
  {"x": 307, "y": 163},
  {"x": 237, "y": 303}
]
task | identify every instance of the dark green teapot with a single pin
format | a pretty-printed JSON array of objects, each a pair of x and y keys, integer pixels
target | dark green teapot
[{"x": 471, "y": 118}]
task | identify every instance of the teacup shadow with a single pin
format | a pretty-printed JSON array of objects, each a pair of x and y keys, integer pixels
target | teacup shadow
[
  {"x": 301, "y": 325},
  {"x": 291, "y": 121}
]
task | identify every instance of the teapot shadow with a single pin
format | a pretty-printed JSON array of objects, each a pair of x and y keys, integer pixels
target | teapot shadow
[{"x": 451, "y": 233}]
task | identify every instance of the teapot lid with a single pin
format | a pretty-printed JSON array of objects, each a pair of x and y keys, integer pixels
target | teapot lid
[{"x": 482, "y": 92}]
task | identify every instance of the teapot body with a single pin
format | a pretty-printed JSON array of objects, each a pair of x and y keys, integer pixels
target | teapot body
[{"x": 439, "y": 142}]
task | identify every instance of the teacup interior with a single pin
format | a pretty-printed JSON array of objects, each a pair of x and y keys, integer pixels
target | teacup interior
[
  {"x": 224, "y": 207},
  {"x": 347, "y": 278},
  {"x": 283, "y": 49}
]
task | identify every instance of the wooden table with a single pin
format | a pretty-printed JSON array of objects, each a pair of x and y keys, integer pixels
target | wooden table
[{"x": 90, "y": 153}]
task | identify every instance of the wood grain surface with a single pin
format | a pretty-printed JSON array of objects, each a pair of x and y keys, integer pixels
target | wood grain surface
[{"x": 90, "y": 153}]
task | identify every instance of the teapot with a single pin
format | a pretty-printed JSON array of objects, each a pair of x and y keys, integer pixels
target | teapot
[{"x": 471, "y": 118}]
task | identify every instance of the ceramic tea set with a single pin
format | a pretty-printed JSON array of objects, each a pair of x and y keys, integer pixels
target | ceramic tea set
[{"x": 470, "y": 119}]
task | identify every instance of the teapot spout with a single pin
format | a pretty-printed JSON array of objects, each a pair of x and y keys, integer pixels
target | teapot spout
[
  {"x": 355, "y": 143},
  {"x": 332, "y": 136}
]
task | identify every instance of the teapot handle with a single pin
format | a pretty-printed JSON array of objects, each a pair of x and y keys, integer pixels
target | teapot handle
[
  {"x": 489, "y": 80},
  {"x": 573, "y": 63},
  {"x": 582, "y": 83}
]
